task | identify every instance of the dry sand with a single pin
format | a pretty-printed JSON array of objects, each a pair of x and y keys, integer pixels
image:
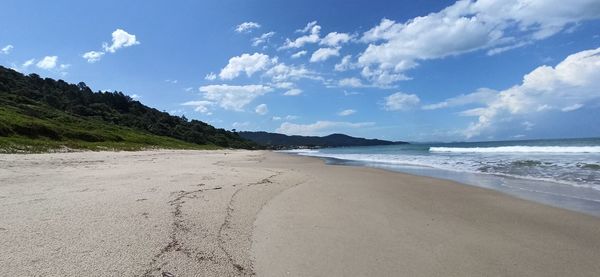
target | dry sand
[{"x": 236, "y": 213}]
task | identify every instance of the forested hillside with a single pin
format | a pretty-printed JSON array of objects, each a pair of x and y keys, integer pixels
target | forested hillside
[
  {"x": 281, "y": 141},
  {"x": 38, "y": 114}
]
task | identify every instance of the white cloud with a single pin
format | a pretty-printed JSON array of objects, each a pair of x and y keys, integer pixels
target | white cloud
[
  {"x": 299, "y": 54},
  {"x": 135, "y": 97},
  {"x": 319, "y": 127},
  {"x": 231, "y": 97},
  {"x": 247, "y": 63},
  {"x": 201, "y": 106},
  {"x": 468, "y": 26},
  {"x": 571, "y": 108},
  {"x": 481, "y": 96},
  {"x": 351, "y": 82},
  {"x": 347, "y": 112},
  {"x": 210, "y": 76},
  {"x": 310, "y": 27},
  {"x": 6, "y": 49},
  {"x": 48, "y": 62},
  {"x": 344, "y": 64},
  {"x": 93, "y": 56},
  {"x": 28, "y": 63},
  {"x": 240, "y": 124},
  {"x": 262, "y": 39},
  {"x": 283, "y": 85},
  {"x": 334, "y": 39},
  {"x": 401, "y": 101},
  {"x": 282, "y": 73},
  {"x": 528, "y": 125},
  {"x": 313, "y": 31},
  {"x": 261, "y": 109},
  {"x": 293, "y": 92},
  {"x": 381, "y": 77},
  {"x": 323, "y": 54},
  {"x": 247, "y": 27},
  {"x": 565, "y": 87},
  {"x": 120, "y": 39},
  {"x": 287, "y": 117}
]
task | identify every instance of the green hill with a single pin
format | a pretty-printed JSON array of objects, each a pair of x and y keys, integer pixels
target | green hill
[
  {"x": 281, "y": 141},
  {"x": 42, "y": 114}
]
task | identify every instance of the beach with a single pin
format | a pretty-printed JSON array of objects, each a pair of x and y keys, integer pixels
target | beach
[{"x": 243, "y": 213}]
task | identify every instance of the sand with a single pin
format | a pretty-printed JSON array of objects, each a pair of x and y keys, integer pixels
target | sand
[{"x": 243, "y": 213}]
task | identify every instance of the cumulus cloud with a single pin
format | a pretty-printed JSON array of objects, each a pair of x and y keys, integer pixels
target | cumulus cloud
[
  {"x": 48, "y": 62},
  {"x": 467, "y": 26},
  {"x": 244, "y": 124},
  {"x": 231, "y": 97},
  {"x": 247, "y": 63},
  {"x": 351, "y": 82},
  {"x": 319, "y": 127},
  {"x": 28, "y": 63},
  {"x": 381, "y": 77},
  {"x": 201, "y": 106},
  {"x": 322, "y": 54},
  {"x": 400, "y": 101},
  {"x": 120, "y": 39},
  {"x": 299, "y": 54},
  {"x": 261, "y": 109},
  {"x": 262, "y": 38},
  {"x": 481, "y": 96},
  {"x": 6, "y": 49},
  {"x": 565, "y": 87},
  {"x": 347, "y": 112},
  {"x": 312, "y": 31},
  {"x": 93, "y": 56},
  {"x": 293, "y": 92},
  {"x": 287, "y": 117},
  {"x": 247, "y": 27},
  {"x": 571, "y": 108},
  {"x": 334, "y": 39},
  {"x": 210, "y": 76},
  {"x": 344, "y": 64},
  {"x": 282, "y": 73}
]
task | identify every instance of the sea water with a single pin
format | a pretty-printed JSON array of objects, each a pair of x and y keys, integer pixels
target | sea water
[{"x": 563, "y": 173}]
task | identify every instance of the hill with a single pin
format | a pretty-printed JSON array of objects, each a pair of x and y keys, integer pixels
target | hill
[
  {"x": 280, "y": 141},
  {"x": 40, "y": 114}
]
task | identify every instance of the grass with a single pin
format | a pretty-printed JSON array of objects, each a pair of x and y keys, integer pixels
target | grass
[{"x": 35, "y": 129}]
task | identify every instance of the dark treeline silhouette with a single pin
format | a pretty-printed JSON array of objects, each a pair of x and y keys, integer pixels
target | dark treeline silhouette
[{"x": 281, "y": 141}]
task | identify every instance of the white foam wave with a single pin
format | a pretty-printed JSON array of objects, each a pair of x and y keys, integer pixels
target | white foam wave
[
  {"x": 518, "y": 149},
  {"x": 300, "y": 151}
]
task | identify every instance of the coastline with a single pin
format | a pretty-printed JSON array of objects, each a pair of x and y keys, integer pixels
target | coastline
[
  {"x": 530, "y": 189},
  {"x": 240, "y": 213}
]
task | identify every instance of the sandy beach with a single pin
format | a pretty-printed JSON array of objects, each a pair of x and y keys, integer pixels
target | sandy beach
[{"x": 243, "y": 213}]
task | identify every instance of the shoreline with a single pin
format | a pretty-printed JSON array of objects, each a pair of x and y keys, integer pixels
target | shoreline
[
  {"x": 244, "y": 213},
  {"x": 374, "y": 222},
  {"x": 514, "y": 186}
]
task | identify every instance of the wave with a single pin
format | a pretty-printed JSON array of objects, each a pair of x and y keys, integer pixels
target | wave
[
  {"x": 299, "y": 151},
  {"x": 518, "y": 149},
  {"x": 450, "y": 164}
]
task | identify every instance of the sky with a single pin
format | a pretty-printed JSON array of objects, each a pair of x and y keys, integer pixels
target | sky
[{"x": 399, "y": 70}]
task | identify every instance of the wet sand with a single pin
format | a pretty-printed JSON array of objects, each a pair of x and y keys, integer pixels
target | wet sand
[{"x": 241, "y": 213}]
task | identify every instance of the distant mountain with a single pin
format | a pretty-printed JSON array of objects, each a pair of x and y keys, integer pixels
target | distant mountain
[
  {"x": 280, "y": 141},
  {"x": 40, "y": 114}
]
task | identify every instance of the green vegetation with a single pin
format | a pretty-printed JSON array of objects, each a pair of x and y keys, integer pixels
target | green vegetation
[{"x": 42, "y": 114}]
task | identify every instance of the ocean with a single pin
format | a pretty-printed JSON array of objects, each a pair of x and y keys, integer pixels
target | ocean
[{"x": 559, "y": 172}]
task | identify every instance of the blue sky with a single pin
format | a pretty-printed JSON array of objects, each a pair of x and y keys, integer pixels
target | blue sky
[{"x": 400, "y": 70}]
